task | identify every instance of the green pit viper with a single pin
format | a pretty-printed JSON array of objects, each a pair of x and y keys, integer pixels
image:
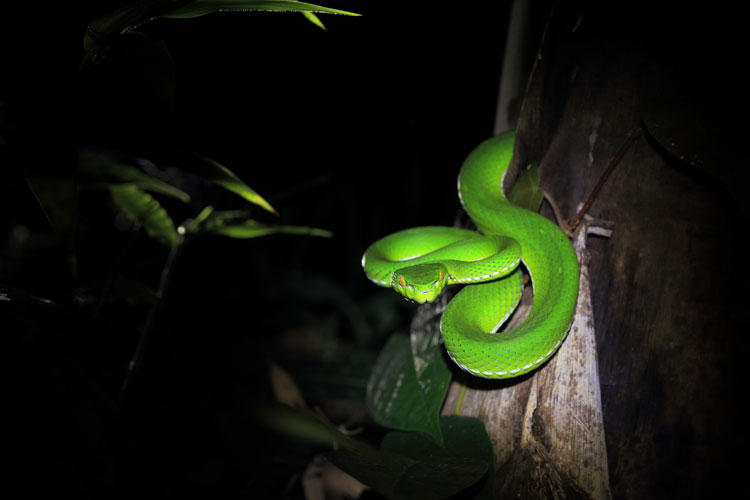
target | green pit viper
[{"x": 418, "y": 263}]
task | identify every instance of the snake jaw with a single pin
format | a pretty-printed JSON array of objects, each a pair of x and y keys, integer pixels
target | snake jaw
[{"x": 420, "y": 283}]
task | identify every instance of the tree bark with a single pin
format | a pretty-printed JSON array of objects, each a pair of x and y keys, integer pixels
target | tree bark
[{"x": 651, "y": 365}]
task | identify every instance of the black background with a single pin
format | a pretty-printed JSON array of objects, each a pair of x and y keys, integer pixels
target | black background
[{"x": 360, "y": 129}]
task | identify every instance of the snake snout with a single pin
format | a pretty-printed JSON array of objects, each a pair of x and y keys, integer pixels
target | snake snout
[{"x": 420, "y": 283}]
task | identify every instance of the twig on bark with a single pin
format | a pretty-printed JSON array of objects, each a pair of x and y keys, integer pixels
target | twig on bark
[{"x": 573, "y": 224}]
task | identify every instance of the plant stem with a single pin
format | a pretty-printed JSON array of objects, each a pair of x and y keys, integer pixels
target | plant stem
[
  {"x": 109, "y": 283},
  {"x": 136, "y": 361},
  {"x": 460, "y": 400}
]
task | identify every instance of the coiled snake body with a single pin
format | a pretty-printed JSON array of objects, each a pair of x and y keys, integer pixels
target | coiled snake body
[{"x": 419, "y": 262}]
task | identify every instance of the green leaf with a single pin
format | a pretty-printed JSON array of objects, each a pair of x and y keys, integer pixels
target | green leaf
[
  {"x": 314, "y": 19},
  {"x": 101, "y": 31},
  {"x": 430, "y": 366},
  {"x": 142, "y": 208},
  {"x": 293, "y": 423},
  {"x": 413, "y": 466},
  {"x": 407, "y": 466},
  {"x": 253, "y": 229},
  {"x": 203, "y": 7},
  {"x": 95, "y": 167},
  {"x": 526, "y": 192},
  {"x": 399, "y": 477},
  {"x": 237, "y": 224},
  {"x": 465, "y": 438},
  {"x": 217, "y": 173},
  {"x": 379, "y": 470},
  {"x": 395, "y": 397}
]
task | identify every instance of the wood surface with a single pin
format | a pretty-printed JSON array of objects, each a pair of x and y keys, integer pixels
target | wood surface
[{"x": 646, "y": 403}]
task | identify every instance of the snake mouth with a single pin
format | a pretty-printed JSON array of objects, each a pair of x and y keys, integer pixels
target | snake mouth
[
  {"x": 425, "y": 297},
  {"x": 414, "y": 293},
  {"x": 418, "y": 296}
]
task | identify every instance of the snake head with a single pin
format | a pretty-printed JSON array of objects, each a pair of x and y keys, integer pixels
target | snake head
[{"x": 421, "y": 282}]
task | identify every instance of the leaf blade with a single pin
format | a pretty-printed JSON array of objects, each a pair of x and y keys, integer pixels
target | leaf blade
[
  {"x": 253, "y": 229},
  {"x": 204, "y": 7},
  {"x": 102, "y": 29},
  {"x": 142, "y": 208},
  {"x": 95, "y": 167},
  {"x": 220, "y": 175},
  {"x": 526, "y": 192},
  {"x": 463, "y": 462},
  {"x": 395, "y": 397},
  {"x": 315, "y": 20},
  {"x": 411, "y": 465}
]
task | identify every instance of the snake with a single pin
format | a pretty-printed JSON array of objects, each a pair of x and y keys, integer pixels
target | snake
[{"x": 420, "y": 262}]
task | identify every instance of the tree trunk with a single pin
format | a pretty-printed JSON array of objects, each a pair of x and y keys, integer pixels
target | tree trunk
[{"x": 640, "y": 400}]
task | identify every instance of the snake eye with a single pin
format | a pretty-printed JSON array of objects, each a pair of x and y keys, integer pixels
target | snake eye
[
  {"x": 402, "y": 281},
  {"x": 440, "y": 276}
]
